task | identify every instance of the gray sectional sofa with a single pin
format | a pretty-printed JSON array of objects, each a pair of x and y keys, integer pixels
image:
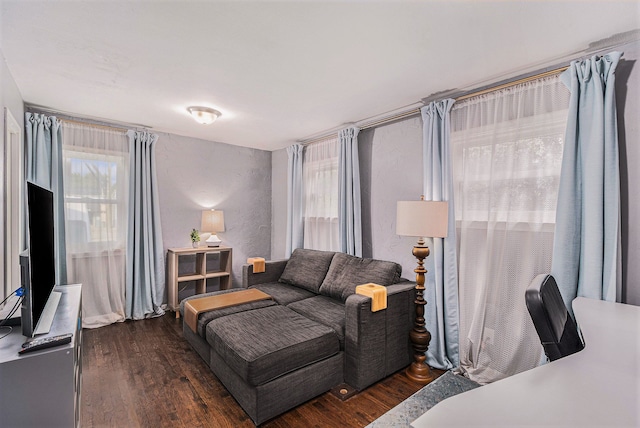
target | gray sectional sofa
[{"x": 314, "y": 334}]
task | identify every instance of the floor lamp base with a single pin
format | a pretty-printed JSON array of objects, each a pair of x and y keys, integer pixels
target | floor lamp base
[{"x": 420, "y": 373}]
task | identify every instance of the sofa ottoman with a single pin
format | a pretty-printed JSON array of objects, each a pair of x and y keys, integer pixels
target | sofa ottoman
[{"x": 268, "y": 350}]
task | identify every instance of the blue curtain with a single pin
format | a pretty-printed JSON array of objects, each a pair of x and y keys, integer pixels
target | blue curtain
[
  {"x": 44, "y": 167},
  {"x": 349, "y": 208},
  {"x": 145, "y": 277},
  {"x": 586, "y": 257},
  {"x": 441, "y": 293},
  {"x": 295, "y": 225}
]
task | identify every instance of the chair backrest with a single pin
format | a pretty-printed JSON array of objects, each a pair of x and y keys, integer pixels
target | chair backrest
[{"x": 557, "y": 330}]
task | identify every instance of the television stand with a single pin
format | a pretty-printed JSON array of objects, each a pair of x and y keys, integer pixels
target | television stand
[{"x": 42, "y": 388}]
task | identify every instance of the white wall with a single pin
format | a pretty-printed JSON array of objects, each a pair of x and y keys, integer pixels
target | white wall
[
  {"x": 11, "y": 99},
  {"x": 194, "y": 175}
]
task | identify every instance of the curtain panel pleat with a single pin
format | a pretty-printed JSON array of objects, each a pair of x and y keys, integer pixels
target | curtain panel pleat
[
  {"x": 295, "y": 208},
  {"x": 442, "y": 279},
  {"x": 349, "y": 206},
  {"x": 44, "y": 168},
  {"x": 145, "y": 284},
  {"x": 586, "y": 250}
]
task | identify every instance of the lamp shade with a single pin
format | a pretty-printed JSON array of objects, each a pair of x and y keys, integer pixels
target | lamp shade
[
  {"x": 212, "y": 221},
  {"x": 426, "y": 219}
]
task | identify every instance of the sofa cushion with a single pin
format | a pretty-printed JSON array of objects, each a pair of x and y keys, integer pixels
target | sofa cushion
[
  {"x": 283, "y": 293},
  {"x": 264, "y": 344},
  {"x": 324, "y": 310},
  {"x": 307, "y": 268},
  {"x": 346, "y": 272}
]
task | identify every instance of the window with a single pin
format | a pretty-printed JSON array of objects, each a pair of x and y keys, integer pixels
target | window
[
  {"x": 320, "y": 178},
  {"x": 94, "y": 187},
  {"x": 507, "y": 154},
  {"x": 511, "y": 171}
]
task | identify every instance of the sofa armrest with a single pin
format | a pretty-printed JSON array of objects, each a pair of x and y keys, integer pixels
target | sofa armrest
[
  {"x": 272, "y": 272},
  {"x": 377, "y": 343}
]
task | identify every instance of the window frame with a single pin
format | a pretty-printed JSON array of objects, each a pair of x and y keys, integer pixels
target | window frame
[{"x": 121, "y": 160}]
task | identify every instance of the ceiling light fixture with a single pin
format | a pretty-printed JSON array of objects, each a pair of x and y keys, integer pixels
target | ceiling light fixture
[{"x": 204, "y": 115}]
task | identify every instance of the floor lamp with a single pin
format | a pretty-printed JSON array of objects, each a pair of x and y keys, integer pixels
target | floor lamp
[{"x": 422, "y": 219}]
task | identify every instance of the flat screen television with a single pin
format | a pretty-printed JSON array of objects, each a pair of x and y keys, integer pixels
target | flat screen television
[{"x": 37, "y": 263}]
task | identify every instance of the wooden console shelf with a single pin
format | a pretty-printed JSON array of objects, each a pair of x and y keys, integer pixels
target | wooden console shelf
[{"x": 201, "y": 274}]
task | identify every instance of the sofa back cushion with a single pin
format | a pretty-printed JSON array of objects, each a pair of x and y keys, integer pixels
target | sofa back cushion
[
  {"x": 346, "y": 272},
  {"x": 307, "y": 269}
]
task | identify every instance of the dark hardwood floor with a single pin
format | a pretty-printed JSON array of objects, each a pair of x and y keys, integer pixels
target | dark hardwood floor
[{"x": 144, "y": 374}]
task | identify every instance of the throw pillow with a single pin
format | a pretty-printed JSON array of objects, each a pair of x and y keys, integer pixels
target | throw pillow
[
  {"x": 307, "y": 268},
  {"x": 347, "y": 272}
]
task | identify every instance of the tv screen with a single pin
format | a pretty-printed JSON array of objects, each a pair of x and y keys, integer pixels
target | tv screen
[{"x": 41, "y": 255}]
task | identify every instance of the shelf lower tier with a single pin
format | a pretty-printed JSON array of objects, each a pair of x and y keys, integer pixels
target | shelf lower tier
[{"x": 196, "y": 276}]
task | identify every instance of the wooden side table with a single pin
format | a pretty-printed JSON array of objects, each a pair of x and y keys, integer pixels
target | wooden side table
[{"x": 200, "y": 275}]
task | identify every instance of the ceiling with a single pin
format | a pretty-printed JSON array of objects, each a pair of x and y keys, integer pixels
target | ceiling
[{"x": 281, "y": 71}]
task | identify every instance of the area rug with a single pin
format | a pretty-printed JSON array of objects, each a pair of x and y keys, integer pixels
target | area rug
[{"x": 415, "y": 406}]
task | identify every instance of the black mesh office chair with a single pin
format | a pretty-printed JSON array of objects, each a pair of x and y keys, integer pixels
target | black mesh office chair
[{"x": 557, "y": 330}]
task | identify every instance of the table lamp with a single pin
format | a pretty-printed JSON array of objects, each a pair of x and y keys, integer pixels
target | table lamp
[
  {"x": 422, "y": 219},
  {"x": 212, "y": 223}
]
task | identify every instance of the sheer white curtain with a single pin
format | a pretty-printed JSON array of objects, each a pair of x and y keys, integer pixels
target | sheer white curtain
[
  {"x": 320, "y": 194},
  {"x": 96, "y": 169},
  {"x": 507, "y": 153}
]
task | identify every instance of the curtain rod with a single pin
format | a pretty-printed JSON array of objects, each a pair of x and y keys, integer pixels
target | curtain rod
[
  {"x": 464, "y": 96},
  {"x": 472, "y": 94},
  {"x": 94, "y": 125},
  {"x": 512, "y": 83},
  {"x": 97, "y": 123}
]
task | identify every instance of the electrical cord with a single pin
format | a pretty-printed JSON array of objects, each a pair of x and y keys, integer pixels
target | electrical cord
[
  {"x": 7, "y": 333},
  {"x": 19, "y": 292}
]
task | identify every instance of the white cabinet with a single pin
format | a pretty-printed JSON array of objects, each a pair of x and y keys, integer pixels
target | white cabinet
[{"x": 43, "y": 388}]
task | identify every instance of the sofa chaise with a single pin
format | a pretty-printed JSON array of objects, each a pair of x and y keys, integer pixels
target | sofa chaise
[{"x": 312, "y": 335}]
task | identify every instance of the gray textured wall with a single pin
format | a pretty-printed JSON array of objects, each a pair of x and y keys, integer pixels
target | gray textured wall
[
  {"x": 391, "y": 171},
  {"x": 279, "y": 203},
  {"x": 194, "y": 175}
]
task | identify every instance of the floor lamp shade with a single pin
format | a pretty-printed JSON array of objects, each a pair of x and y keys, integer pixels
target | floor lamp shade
[{"x": 427, "y": 219}]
